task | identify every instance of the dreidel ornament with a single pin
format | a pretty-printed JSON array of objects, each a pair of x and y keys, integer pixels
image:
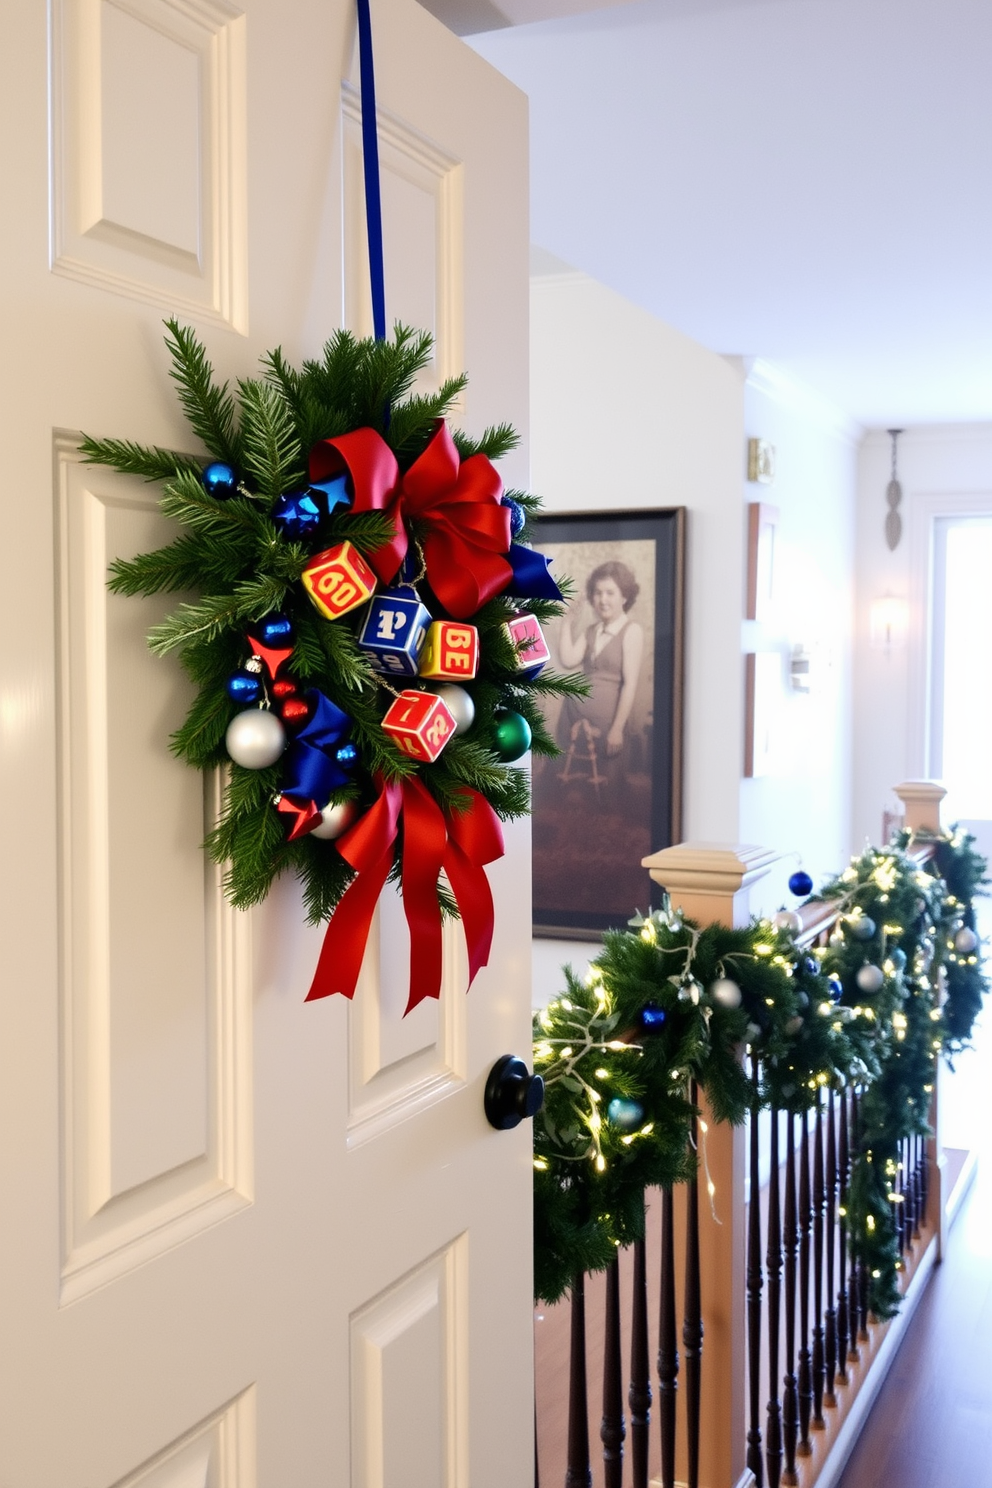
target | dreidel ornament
[
  {"x": 451, "y": 652},
  {"x": 421, "y": 724},
  {"x": 394, "y": 631},
  {"x": 527, "y": 638},
  {"x": 338, "y": 580}
]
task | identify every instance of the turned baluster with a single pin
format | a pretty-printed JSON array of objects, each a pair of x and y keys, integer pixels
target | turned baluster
[
  {"x": 577, "y": 1474},
  {"x": 639, "y": 1394},
  {"x": 668, "y": 1354},
  {"x": 899, "y": 1194},
  {"x": 773, "y": 1261},
  {"x": 819, "y": 1202},
  {"x": 830, "y": 1333},
  {"x": 805, "y": 1229},
  {"x": 920, "y": 1201},
  {"x": 754, "y": 1280},
  {"x": 692, "y": 1322},
  {"x": 790, "y": 1392},
  {"x": 612, "y": 1430},
  {"x": 844, "y": 1179},
  {"x": 854, "y": 1277}
]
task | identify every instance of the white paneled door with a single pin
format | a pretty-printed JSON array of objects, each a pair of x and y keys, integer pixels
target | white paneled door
[{"x": 246, "y": 1242}]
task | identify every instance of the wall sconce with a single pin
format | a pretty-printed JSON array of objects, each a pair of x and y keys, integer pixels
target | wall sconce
[
  {"x": 889, "y": 622},
  {"x": 760, "y": 461}
]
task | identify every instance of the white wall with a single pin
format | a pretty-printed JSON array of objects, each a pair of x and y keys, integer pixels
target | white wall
[
  {"x": 804, "y": 806},
  {"x": 627, "y": 412},
  {"x": 935, "y": 461}
]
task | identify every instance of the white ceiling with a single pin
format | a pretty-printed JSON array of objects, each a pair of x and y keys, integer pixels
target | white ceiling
[{"x": 808, "y": 181}]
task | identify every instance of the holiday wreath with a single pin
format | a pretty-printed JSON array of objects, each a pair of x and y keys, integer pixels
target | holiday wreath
[{"x": 367, "y": 646}]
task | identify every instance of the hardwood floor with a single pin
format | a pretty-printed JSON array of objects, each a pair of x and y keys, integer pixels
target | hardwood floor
[{"x": 931, "y": 1426}]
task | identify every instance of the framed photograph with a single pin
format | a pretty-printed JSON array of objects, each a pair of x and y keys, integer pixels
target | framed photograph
[{"x": 614, "y": 794}]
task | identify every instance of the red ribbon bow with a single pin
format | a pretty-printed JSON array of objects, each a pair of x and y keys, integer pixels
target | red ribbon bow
[
  {"x": 459, "y": 842},
  {"x": 469, "y": 531}
]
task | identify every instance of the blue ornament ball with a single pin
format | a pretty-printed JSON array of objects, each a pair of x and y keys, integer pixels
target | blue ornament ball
[
  {"x": 347, "y": 755},
  {"x": 296, "y": 515},
  {"x": 651, "y": 1018},
  {"x": 898, "y": 958},
  {"x": 836, "y": 987},
  {"x": 244, "y": 688},
  {"x": 518, "y": 517},
  {"x": 220, "y": 480},
  {"x": 626, "y": 1114},
  {"x": 811, "y": 966},
  {"x": 275, "y": 630},
  {"x": 800, "y": 884}
]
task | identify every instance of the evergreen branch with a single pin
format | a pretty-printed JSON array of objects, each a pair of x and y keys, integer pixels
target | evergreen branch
[
  {"x": 187, "y": 563},
  {"x": 411, "y": 424},
  {"x": 209, "y": 408},
  {"x": 250, "y": 600},
  {"x": 185, "y": 500},
  {"x": 272, "y": 452},
  {"x": 146, "y": 460},
  {"x": 496, "y": 441}
]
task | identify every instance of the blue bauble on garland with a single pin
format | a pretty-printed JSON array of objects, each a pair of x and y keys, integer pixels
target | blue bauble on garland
[
  {"x": 898, "y": 958},
  {"x": 651, "y": 1018},
  {"x": 275, "y": 630},
  {"x": 836, "y": 987},
  {"x": 518, "y": 517},
  {"x": 626, "y": 1114},
  {"x": 296, "y": 515},
  {"x": 244, "y": 688},
  {"x": 800, "y": 884},
  {"x": 347, "y": 755},
  {"x": 220, "y": 480}
]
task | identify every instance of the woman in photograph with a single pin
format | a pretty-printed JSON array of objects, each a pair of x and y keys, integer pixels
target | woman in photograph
[{"x": 609, "y": 651}]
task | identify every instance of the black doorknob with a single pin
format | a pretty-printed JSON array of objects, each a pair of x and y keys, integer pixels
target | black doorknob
[{"x": 512, "y": 1093}]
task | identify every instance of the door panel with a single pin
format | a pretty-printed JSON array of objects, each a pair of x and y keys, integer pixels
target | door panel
[{"x": 250, "y": 1242}]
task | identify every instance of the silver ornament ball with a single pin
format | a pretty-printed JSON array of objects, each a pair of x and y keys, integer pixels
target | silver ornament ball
[
  {"x": 459, "y": 704},
  {"x": 787, "y": 919},
  {"x": 726, "y": 993},
  {"x": 255, "y": 738},
  {"x": 793, "y": 1026},
  {"x": 335, "y": 819},
  {"x": 965, "y": 940},
  {"x": 870, "y": 978}
]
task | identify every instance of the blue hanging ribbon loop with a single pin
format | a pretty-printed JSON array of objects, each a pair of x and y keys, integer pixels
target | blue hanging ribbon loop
[
  {"x": 312, "y": 773},
  {"x": 370, "y": 156},
  {"x": 531, "y": 579}
]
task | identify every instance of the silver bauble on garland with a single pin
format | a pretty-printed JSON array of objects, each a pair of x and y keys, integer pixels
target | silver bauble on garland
[
  {"x": 965, "y": 940},
  {"x": 726, "y": 992},
  {"x": 255, "y": 739},
  {"x": 870, "y": 978},
  {"x": 787, "y": 919}
]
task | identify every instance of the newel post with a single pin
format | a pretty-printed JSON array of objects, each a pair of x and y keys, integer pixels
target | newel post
[
  {"x": 921, "y": 803},
  {"x": 711, "y": 883}
]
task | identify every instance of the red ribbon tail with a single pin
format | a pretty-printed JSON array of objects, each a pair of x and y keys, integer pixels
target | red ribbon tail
[
  {"x": 343, "y": 951},
  {"x": 470, "y": 887},
  {"x": 424, "y": 839}
]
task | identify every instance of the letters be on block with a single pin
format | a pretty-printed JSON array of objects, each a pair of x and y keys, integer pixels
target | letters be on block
[
  {"x": 451, "y": 652},
  {"x": 393, "y": 633},
  {"x": 420, "y": 724},
  {"x": 338, "y": 580},
  {"x": 526, "y": 635}
]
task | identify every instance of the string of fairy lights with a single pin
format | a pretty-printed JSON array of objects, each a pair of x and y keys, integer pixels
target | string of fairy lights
[{"x": 666, "y": 1008}]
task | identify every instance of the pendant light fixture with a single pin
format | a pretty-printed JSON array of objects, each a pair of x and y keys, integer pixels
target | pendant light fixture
[{"x": 893, "y": 495}]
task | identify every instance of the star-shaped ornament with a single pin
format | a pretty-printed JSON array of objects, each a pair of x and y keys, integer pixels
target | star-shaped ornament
[{"x": 304, "y": 815}]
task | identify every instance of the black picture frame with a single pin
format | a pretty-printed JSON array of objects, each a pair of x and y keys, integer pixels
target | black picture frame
[{"x": 604, "y": 803}]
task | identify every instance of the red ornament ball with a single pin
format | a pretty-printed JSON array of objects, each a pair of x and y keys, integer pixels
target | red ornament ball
[
  {"x": 294, "y": 712},
  {"x": 283, "y": 687}
]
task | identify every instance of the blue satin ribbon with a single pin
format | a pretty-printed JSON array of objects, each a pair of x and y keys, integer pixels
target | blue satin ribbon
[
  {"x": 531, "y": 579},
  {"x": 370, "y": 154},
  {"x": 312, "y": 773}
]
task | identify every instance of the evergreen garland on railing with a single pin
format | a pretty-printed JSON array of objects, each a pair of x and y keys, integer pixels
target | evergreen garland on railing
[{"x": 670, "y": 1003}]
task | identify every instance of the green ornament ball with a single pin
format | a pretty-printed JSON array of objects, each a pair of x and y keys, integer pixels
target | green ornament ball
[{"x": 513, "y": 736}]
